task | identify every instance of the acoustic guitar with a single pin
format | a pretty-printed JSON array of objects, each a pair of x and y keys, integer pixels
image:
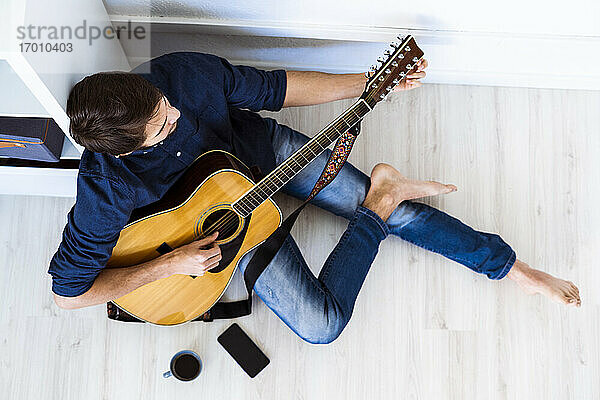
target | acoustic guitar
[{"x": 217, "y": 193}]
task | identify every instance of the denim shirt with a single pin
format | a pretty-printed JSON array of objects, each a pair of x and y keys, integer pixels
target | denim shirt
[{"x": 211, "y": 94}]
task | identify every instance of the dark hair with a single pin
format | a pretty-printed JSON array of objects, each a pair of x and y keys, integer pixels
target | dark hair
[{"x": 109, "y": 111}]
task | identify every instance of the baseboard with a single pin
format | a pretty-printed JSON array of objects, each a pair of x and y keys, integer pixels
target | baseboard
[{"x": 457, "y": 57}]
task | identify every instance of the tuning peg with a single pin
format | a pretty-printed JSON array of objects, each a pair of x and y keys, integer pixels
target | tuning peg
[
  {"x": 401, "y": 56},
  {"x": 372, "y": 68},
  {"x": 400, "y": 38},
  {"x": 396, "y": 81},
  {"x": 402, "y": 74},
  {"x": 382, "y": 96},
  {"x": 387, "y": 70},
  {"x": 389, "y": 88},
  {"x": 408, "y": 66},
  {"x": 407, "y": 48},
  {"x": 395, "y": 45},
  {"x": 387, "y": 52},
  {"x": 381, "y": 78},
  {"x": 415, "y": 59},
  {"x": 394, "y": 64},
  {"x": 381, "y": 60},
  {"x": 367, "y": 75}
]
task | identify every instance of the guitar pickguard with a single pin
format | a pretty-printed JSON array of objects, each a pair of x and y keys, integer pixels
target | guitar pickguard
[{"x": 230, "y": 250}]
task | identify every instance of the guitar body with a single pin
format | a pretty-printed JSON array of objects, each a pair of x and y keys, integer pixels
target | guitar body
[{"x": 194, "y": 206}]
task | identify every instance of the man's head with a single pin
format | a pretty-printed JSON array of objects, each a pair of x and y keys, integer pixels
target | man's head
[{"x": 118, "y": 112}]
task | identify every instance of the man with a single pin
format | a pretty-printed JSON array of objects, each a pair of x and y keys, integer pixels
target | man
[{"x": 141, "y": 131}]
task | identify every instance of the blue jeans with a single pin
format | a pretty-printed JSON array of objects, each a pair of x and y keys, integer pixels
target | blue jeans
[{"x": 318, "y": 308}]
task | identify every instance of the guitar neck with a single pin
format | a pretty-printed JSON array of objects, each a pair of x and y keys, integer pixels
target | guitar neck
[{"x": 287, "y": 170}]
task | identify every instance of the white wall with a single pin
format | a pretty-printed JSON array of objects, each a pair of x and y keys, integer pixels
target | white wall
[
  {"x": 510, "y": 43},
  {"x": 576, "y": 17}
]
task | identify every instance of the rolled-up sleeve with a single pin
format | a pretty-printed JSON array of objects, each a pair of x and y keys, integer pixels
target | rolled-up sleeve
[
  {"x": 93, "y": 226},
  {"x": 243, "y": 86},
  {"x": 254, "y": 89}
]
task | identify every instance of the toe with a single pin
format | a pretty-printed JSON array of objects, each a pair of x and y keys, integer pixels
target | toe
[
  {"x": 574, "y": 299},
  {"x": 571, "y": 301},
  {"x": 568, "y": 299},
  {"x": 442, "y": 188}
]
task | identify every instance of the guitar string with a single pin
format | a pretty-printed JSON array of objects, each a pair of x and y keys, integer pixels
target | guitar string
[
  {"x": 230, "y": 220},
  {"x": 269, "y": 186},
  {"x": 342, "y": 119}
]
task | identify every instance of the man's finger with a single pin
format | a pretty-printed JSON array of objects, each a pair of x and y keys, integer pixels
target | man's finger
[
  {"x": 212, "y": 265},
  {"x": 217, "y": 256},
  {"x": 208, "y": 239},
  {"x": 211, "y": 252},
  {"x": 416, "y": 75}
]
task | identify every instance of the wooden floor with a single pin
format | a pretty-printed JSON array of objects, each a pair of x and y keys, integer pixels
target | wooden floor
[{"x": 527, "y": 165}]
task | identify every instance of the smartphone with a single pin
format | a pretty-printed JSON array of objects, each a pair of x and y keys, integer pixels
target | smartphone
[{"x": 243, "y": 350}]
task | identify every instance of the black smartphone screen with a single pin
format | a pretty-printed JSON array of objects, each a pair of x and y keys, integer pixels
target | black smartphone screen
[{"x": 243, "y": 350}]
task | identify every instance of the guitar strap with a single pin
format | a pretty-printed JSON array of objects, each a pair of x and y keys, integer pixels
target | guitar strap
[{"x": 267, "y": 250}]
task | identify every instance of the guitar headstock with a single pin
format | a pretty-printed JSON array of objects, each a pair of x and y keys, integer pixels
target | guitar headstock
[{"x": 392, "y": 69}]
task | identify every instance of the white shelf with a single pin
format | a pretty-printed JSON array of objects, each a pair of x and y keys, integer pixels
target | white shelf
[{"x": 38, "y": 181}]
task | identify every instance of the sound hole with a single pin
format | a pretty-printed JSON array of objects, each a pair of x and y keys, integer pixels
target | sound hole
[{"x": 225, "y": 221}]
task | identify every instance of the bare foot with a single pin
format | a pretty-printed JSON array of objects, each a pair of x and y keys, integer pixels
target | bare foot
[
  {"x": 389, "y": 188},
  {"x": 534, "y": 281}
]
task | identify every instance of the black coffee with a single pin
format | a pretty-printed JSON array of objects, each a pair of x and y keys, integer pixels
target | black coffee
[{"x": 186, "y": 367}]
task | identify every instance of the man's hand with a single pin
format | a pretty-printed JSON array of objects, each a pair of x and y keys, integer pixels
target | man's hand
[
  {"x": 306, "y": 88},
  {"x": 192, "y": 259},
  {"x": 195, "y": 258},
  {"x": 412, "y": 80}
]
